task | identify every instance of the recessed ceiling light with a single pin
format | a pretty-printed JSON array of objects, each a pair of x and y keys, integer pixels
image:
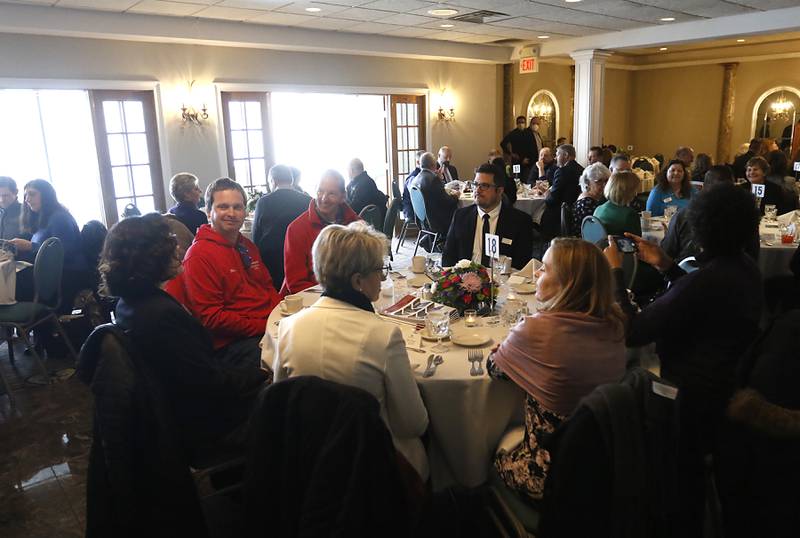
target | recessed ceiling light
[
  {"x": 740, "y": 40},
  {"x": 542, "y": 37},
  {"x": 444, "y": 12},
  {"x": 663, "y": 48},
  {"x": 313, "y": 9},
  {"x": 446, "y": 26},
  {"x": 573, "y": 1},
  {"x": 667, "y": 19}
]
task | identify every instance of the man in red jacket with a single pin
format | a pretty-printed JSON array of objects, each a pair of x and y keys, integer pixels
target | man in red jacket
[
  {"x": 329, "y": 207},
  {"x": 224, "y": 282}
]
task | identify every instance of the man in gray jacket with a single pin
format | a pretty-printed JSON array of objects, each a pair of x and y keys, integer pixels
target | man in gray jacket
[{"x": 10, "y": 209}]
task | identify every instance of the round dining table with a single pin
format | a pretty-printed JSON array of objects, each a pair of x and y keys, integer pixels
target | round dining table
[{"x": 468, "y": 414}]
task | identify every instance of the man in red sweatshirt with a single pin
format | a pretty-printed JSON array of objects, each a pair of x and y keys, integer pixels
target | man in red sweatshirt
[
  {"x": 329, "y": 207},
  {"x": 224, "y": 282}
]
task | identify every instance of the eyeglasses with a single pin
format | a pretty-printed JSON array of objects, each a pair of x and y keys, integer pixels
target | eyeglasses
[
  {"x": 384, "y": 271},
  {"x": 483, "y": 186}
]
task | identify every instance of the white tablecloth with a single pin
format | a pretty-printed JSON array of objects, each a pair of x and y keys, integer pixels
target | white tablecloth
[
  {"x": 773, "y": 257},
  {"x": 533, "y": 206},
  {"x": 468, "y": 415}
]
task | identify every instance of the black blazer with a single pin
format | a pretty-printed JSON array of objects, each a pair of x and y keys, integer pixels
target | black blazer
[
  {"x": 438, "y": 203},
  {"x": 453, "y": 171},
  {"x": 565, "y": 188},
  {"x": 274, "y": 213},
  {"x": 362, "y": 191},
  {"x": 514, "y": 227}
]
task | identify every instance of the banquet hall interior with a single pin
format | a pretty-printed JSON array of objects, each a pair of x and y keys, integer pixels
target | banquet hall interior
[{"x": 118, "y": 105}]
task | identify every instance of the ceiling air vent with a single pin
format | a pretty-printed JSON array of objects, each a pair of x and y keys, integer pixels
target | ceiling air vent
[{"x": 479, "y": 17}]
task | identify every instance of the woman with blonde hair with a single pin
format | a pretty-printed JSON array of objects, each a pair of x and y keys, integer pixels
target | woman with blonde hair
[
  {"x": 558, "y": 355},
  {"x": 187, "y": 194},
  {"x": 340, "y": 337},
  {"x": 615, "y": 214}
]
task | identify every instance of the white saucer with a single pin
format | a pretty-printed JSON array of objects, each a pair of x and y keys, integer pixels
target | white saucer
[
  {"x": 419, "y": 281},
  {"x": 287, "y": 314},
  {"x": 470, "y": 338},
  {"x": 524, "y": 289},
  {"x": 418, "y": 272},
  {"x": 425, "y": 336}
]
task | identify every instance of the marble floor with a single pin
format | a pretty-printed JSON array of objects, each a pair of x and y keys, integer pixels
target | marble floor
[{"x": 44, "y": 448}]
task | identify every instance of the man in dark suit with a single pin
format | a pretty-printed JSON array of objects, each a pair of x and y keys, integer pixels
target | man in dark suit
[
  {"x": 488, "y": 215},
  {"x": 448, "y": 172},
  {"x": 362, "y": 190},
  {"x": 520, "y": 145},
  {"x": 564, "y": 188},
  {"x": 438, "y": 204},
  {"x": 545, "y": 168},
  {"x": 274, "y": 213},
  {"x": 408, "y": 209}
]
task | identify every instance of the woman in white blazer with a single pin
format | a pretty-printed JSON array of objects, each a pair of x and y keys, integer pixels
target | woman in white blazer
[{"x": 340, "y": 337}]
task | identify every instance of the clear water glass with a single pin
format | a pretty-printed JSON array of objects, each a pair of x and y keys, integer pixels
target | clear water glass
[
  {"x": 433, "y": 263},
  {"x": 771, "y": 212},
  {"x": 438, "y": 325}
]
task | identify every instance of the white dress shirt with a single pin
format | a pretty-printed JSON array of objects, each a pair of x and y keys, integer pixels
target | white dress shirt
[{"x": 477, "y": 244}]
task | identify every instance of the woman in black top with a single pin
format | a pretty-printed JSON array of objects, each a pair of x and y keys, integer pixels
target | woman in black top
[
  {"x": 774, "y": 194},
  {"x": 701, "y": 326},
  {"x": 210, "y": 404},
  {"x": 593, "y": 180}
]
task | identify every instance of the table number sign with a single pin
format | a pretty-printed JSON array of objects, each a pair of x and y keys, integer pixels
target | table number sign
[
  {"x": 492, "y": 246},
  {"x": 516, "y": 168},
  {"x": 758, "y": 190}
]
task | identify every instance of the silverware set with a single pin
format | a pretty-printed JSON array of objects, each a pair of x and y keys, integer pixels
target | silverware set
[
  {"x": 475, "y": 357},
  {"x": 433, "y": 362}
]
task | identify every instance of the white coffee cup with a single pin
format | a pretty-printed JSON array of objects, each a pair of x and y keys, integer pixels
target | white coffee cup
[
  {"x": 291, "y": 304},
  {"x": 418, "y": 264}
]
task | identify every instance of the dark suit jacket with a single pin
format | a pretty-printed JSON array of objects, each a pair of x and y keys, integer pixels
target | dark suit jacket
[
  {"x": 549, "y": 173},
  {"x": 9, "y": 221},
  {"x": 438, "y": 203},
  {"x": 564, "y": 188},
  {"x": 362, "y": 191},
  {"x": 513, "y": 226},
  {"x": 453, "y": 171},
  {"x": 274, "y": 213}
]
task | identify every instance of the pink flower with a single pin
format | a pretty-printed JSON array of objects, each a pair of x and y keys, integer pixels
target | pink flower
[{"x": 471, "y": 282}]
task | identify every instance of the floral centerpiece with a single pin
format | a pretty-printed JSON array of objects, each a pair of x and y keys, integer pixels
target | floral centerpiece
[{"x": 464, "y": 286}]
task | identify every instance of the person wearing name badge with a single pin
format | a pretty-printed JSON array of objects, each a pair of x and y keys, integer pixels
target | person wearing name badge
[
  {"x": 488, "y": 215},
  {"x": 673, "y": 188}
]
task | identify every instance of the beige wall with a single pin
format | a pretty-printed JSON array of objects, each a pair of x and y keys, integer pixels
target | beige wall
[
  {"x": 617, "y": 113},
  {"x": 474, "y": 86},
  {"x": 553, "y": 77}
]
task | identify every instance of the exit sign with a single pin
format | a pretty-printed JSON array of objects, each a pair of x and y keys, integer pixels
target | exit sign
[{"x": 528, "y": 65}]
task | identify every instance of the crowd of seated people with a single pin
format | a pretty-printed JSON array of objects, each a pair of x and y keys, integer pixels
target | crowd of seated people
[{"x": 199, "y": 314}]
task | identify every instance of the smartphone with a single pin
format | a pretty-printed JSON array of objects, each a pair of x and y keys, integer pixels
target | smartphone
[{"x": 624, "y": 244}]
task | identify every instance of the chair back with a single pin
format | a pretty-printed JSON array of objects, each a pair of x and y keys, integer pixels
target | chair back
[
  {"x": 418, "y": 203},
  {"x": 592, "y": 229},
  {"x": 566, "y": 220},
  {"x": 391, "y": 217},
  {"x": 642, "y": 164},
  {"x": 371, "y": 214},
  {"x": 396, "y": 188},
  {"x": 47, "y": 269}
]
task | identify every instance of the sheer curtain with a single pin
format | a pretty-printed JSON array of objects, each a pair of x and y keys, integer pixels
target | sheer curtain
[{"x": 48, "y": 134}]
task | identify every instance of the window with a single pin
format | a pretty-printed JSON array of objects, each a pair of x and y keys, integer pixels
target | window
[
  {"x": 408, "y": 132},
  {"x": 127, "y": 148},
  {"x": 244, "y": 116},
  {"x": 48, "y": 134}
]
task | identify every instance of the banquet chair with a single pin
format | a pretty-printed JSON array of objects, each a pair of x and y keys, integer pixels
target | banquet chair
[
  {"x": 566, "y": 220},
  {"x": 418, "y": 201},
  {"x": 592, "y": 230},
  {"x": 390, "y": 221},
  {"x": 24, "y": 316},
  {"x": 371, "y": 214}
]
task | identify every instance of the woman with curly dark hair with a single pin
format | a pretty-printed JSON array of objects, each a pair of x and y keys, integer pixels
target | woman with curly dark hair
[
  {"x": 211, "y": 404},
  {"x": 701, "y": 327},
  {"x": 673, "y": 188}
]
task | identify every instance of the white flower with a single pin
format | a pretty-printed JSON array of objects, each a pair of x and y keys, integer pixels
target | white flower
[{"x": 463, "y": 264}]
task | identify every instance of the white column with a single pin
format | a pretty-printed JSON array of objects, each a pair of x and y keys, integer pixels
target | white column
[{"x": 590, "y": 70}]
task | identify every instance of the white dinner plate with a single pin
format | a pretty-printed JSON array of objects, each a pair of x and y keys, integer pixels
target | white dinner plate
[
  {"x": 419, "y": 281},
  {"x": 470, "y": 338},
  {"x": 524, "y": 289}
]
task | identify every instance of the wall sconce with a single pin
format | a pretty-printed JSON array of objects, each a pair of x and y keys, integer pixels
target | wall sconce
[
  {"x": 447, "y": 111},
  {"x": 190, "y": 114}
]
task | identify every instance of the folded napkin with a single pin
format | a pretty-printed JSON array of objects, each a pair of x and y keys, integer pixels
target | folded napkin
[
  {"x": 529, "y": 270},
  {"x": 790, "y": 217}
]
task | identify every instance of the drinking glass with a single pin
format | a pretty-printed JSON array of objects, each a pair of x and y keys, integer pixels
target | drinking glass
[
  {"x": 470, "y": 318},
  {"x": 433, "y": 264},
  {"x": 511, "y": 312},
  {"x": 438, "y": 325},
  {"x": 771, "y": 212},
  {"x": 670, "y": 211}
]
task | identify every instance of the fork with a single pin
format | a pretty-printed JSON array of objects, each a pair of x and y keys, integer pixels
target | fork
[{"x": 475, "y": 356}]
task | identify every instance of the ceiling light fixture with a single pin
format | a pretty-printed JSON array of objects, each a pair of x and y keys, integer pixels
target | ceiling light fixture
[
  {"x": 573, "y": 1},
  {"x": 446, "y": 25},
  {"x": 444, "y": 12},
  {"x": 542, "y": 37},
  {"x": 313, "y": 9},
  {"x": 740, "y": 40},
  {"x": 667, "y": 19},
  {"x": 663, "y": 48}
]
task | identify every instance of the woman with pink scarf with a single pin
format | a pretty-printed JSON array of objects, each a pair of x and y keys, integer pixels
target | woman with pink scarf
[{"x": 572, "y": 344}]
